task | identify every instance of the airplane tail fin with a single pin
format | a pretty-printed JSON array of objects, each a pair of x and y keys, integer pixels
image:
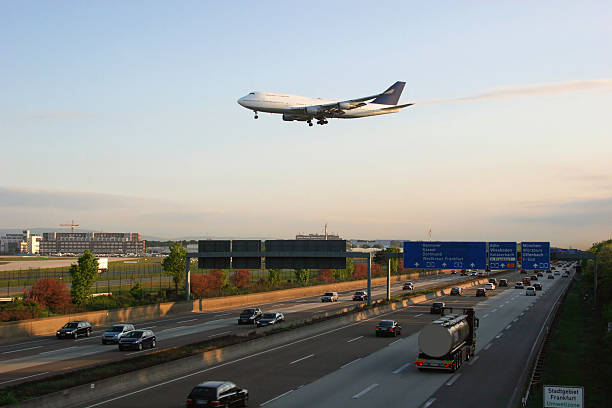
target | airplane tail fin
[{"x": 391, "y": 96}]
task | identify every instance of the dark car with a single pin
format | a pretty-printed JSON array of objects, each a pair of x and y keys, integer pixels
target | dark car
[
  {"x": 551, "y": 276},
  {"x": 137, "y": 340},
  {"x": 250, "y": 316},
  {"x": 493, "y": 281},
  {"x": 537, "y": 286},
  {"x": 268, "y": 319},
  {"x": 437, "y": 307},
  {"x": 408, "y": 286},
  {"x": 453, "y": 272},
  {"x": 73, "y": 330},
  {"x": 388, "y": 328},
  {"x": 481, "y": 292},
  {"x": 456, "y": 291},
  {"x": 463, "y": 272},
  {"x": 360, "y": 295},
  {"x": 540, "y": 274},
  {"x": 503, "y": 282},
  {"x": 534, "y": 277},
  {"x": 217, "y": 394}
]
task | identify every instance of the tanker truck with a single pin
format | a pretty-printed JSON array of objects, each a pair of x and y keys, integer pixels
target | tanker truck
[{"x": 446, "y": 343}]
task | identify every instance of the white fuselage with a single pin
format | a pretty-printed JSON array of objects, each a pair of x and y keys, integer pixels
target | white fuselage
[{"x": 288, "y": 104}]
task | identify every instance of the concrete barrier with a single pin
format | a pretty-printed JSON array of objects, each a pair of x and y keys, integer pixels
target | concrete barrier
[{"x": 80, "y": 395}]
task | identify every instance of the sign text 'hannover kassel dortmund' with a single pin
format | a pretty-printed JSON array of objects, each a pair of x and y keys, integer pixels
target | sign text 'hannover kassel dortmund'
[{"x": 445, "y": 255}]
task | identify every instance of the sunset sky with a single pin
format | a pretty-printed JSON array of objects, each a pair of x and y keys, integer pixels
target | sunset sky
[{"x": 123, "y": 117}]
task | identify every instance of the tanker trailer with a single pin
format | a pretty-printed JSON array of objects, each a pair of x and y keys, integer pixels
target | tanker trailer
[{"x": 446, "y": 343}]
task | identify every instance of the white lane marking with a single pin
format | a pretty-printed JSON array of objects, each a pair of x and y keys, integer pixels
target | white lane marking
[
  {"x": 501, "y": 305},
  {"x": 222, "y": 314},
  {"x": 402, "y": 368},
  {"x": 494, "y": 310},
  {"x": 136, "y": 352},
  {"x": 300, "y": 359},
  {"x": 365, "y": 391},
  {"x": 344, "y": 365},
  {"x": 485, "y": 316},
  {"x": 185, "y": 321},
  {"x": 453, "y": 379},
  {"x": 420, "y": 314},
  {"x": 488, "y": 346},
  {"x": 356, "y": 338},
  {"x": 273, "y": 399},
  {"x": 515, "y": 320},
  {"x": 23, "y": 349},
  {"x": 173, "y": 328},
  {"x": 508, "y": 326},
  {"x": 219, "y": 334},
  {"x": 59, "y": 350},
  {"x": 522, "y": 314},
  {"x": 147, "y": 328},
  {"x": 428, "y": 403},
  {"x": 499, "y": 335},
  {"x": 23, "y": 378},
  {"x": 473, "y": 360},
  {"x": 395, "y": 341}
]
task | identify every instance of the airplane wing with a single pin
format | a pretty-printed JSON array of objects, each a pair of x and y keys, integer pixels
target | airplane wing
[{"x": 334, "y": 107}]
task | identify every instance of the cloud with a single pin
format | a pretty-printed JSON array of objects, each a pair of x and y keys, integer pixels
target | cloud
[
  {"x": 64, "y": 115},
  {"x": 578, "y": 213},
  {"x": 553, "y": 88}
]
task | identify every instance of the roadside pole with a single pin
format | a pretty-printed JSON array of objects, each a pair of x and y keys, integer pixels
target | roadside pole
[
  {"x": 187, "y": 279},
  {"x": 388, "y": 277},
  {"x": 369, "y": 278}
]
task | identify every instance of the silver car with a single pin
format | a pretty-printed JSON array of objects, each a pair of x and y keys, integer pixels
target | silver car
[{"x": 115, "y": 332}]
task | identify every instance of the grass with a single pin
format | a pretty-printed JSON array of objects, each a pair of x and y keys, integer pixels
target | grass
[{"x": 576, "y": 355}]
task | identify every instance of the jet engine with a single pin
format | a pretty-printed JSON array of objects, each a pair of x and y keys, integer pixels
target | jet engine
[{"x": 288, "y": 118}]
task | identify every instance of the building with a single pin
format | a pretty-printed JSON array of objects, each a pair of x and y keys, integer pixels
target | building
[
  {"x": 318, "y": 237},
  {"x": 99, "y": 243},
  {"x": 24, "y": 242}
]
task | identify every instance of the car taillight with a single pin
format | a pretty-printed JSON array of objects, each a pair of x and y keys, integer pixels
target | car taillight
[
  {"x": 189, "y": 402},
  {"x": 419, "y": 362},
  {"x": 448, "y": 363},
  {"x": 214, "y": 404},
  {"x": 378, "y": 328}
]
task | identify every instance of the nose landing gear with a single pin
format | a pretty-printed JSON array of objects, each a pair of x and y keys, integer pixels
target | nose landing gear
[
  {"x": 309, "y": 122},
  {"x": 256, "y": 115}
]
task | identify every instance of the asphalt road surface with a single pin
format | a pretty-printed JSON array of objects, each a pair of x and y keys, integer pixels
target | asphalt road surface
[
  {"x": 27, "y": 359},
  {"x": 349, "y": 366}
]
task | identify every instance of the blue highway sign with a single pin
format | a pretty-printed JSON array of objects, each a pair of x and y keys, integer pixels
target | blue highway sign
[
  {"x": 535, "y": 255},
  {"x": 445, "y": 255},
  {"x": 502, "y": 255}
]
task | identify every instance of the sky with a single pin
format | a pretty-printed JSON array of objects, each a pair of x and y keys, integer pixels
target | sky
[{"x": 123, "y": 117}]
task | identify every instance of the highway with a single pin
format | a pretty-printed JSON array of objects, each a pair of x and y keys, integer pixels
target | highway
[
  {"x": 28, "y": 359},
  {"x": 349, "y": 366}
]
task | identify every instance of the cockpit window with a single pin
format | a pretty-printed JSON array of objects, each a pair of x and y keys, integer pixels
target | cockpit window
[{"x": 252, "y": 93}]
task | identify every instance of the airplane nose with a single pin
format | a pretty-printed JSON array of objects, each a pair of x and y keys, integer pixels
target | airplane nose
[{"x": 241, "y": 101}]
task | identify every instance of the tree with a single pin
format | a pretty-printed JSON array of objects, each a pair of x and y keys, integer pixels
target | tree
[
  {"x": 137, "y": 291},
  {"x": 207, "y": 285},
  {"x": 274, "y": 276},
  {"x": 326, "y": 275},
  {"x": 381, "y": 257},
  {"x": 174, "y": 264},
  {"x": 302, "y": 276},
  {"x": 360, "y": 271},
  {"x": 84, "y": 274},
  {"x": 49, "y": 293}
]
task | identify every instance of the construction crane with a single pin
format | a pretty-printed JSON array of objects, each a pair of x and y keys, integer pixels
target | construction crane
[{"x": 70, "y": 225}]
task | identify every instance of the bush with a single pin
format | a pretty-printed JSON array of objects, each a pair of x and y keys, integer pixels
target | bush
[
  {"x": 137, "y": 292},
  {"x": 207, "y": 285},
  {"x": 326, "y": 275},
  {"x": 376, "y": 270},
  {"x": 49, "y": 293},
  {"x": 19, "y": 310},
  {"x": 302, "y": 276},
  {"x": 273, "y": 276},
  {"x": 241, "y": 278}
]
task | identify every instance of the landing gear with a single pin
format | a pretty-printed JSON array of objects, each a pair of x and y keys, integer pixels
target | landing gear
[
  {"x": 309, "y": 122},
  {"x": 322, "y": 121},
  {"x": 256, "y": 115}
]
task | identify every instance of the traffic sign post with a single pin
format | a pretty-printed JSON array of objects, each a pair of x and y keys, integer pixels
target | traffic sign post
[
  {"x": 445, "y": 255},
  {"x": 502, "y": 255},
  {"x": 535, "y": 256}
]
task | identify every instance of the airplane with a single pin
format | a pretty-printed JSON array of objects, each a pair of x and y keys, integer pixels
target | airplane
[{"x": 301, "y": 108}]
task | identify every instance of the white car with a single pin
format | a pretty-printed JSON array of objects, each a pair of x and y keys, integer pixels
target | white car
[
  {"x": 329, "y": 297},
  {"x": 489, "y": 286},
  {"x": 530, "y": 291}
]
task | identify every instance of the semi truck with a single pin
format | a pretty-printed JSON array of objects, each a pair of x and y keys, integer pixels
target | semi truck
[{"x": 448, "y": 342}]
